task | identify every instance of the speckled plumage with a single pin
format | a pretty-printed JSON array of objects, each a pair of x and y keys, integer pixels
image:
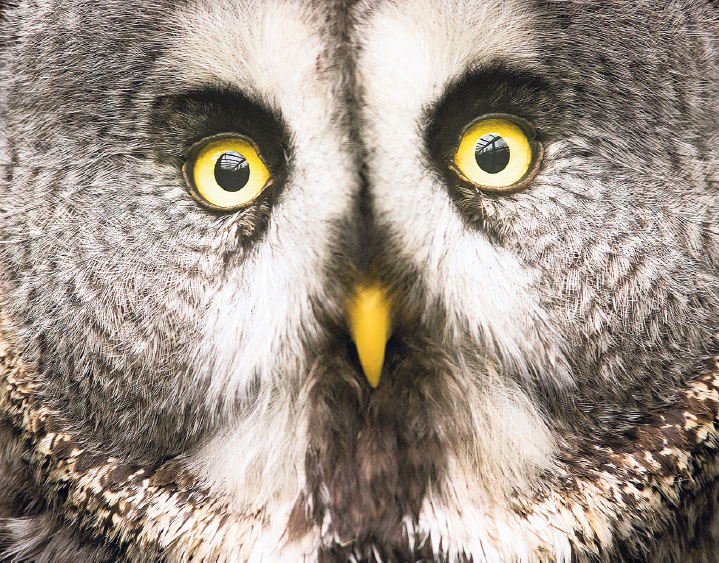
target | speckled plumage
[{"x": 544, "y": 341}]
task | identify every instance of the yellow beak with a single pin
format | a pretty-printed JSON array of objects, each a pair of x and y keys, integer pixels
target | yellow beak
[{"x": 369, "y": 318}]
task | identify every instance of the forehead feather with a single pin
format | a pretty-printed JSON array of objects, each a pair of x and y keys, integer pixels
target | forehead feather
[
  {"x": 269, "y": 50},
  {"x": 421, "y": 46}
]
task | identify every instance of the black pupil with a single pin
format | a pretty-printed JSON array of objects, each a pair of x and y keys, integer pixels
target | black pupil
[
  {"x": 492, "y": 153},
  {"x": 232, "y": 171}
]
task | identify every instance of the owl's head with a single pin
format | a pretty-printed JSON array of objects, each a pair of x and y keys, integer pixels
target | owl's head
[{"x": 372, "y": 271}]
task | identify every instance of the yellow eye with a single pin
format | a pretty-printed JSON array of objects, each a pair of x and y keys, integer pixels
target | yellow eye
[
  {"x": 227, "y": 172},
  {"x": 498, "y": 153}
]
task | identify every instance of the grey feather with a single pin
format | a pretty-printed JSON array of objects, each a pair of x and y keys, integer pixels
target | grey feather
[{"x": 538, "y": 335}]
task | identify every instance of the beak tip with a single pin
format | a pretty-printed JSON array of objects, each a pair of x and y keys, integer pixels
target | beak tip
[{"x": 373, "y": 380}]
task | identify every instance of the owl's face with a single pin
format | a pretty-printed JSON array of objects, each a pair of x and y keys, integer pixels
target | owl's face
[{"x": 196, "y": 194}]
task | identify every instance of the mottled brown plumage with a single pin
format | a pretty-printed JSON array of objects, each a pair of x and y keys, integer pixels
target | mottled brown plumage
[{"x": 604, "y": 500}]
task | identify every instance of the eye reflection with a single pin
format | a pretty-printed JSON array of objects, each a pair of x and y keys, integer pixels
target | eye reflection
[
  {"x": 491, "y": 153},
  {"x": 232, "y": 171}
]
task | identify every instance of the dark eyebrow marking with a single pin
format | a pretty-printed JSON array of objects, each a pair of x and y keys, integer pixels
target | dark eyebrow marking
[
  {"x": 494, "y": 89},
  {"x": 177, "y": 121}
]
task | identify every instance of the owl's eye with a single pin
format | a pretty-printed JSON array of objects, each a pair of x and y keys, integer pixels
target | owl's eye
[
  {"x": 226, "y": 172},
  {"x": 498, "y": 153}
]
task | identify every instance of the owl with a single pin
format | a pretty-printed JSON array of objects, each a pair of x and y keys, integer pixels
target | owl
[{"x": 359, "y": 280}]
